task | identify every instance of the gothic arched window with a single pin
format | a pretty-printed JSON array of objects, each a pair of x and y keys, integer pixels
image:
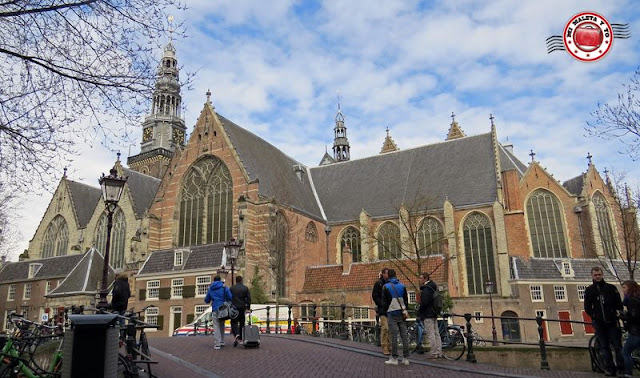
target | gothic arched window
[
  {"x": 478, "y": 247},
  {"x": 351, "y": 237},
  {"x": 605, "y": 228},
  {"x": 118, "y": 237},
  {"x": 545, "y": 225},
  {"x": 389, "y": 241},
  {"x": 56, "y": 238},
  {"x": 311, "y": 233},
  {"x": 206, "y": 204},
  {"x": 430, "y": 237},
  {"x": 279, "y": 236}
]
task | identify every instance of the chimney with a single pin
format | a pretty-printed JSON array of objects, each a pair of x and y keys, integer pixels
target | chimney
[
  {"x": 299, "y": 170},
  {"x": 347, "y": 259}
]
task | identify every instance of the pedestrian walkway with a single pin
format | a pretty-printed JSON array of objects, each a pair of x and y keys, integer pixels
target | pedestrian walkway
[{"x": 306, "y": 356}]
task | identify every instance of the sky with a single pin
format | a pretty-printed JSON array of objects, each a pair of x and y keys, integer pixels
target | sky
[{"x": 280, "y": 69}]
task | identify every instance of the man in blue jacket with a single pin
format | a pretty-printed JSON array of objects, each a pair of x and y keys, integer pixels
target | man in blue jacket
[
  {"x": 217, "y": 295},
  {"x": 395, "y": 303}
]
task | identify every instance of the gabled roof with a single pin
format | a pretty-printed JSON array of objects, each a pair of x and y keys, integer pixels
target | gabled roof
[
  {"x": 549, "y": 269},
  {"x": 85, "y": 276},
  {"x": 509, "y": 161},
  {"x": 84, "y": 199},
  {"x": 143, "y": 189},
  {"x": 52, "y": 268},
  {"x": 575, "y": 185},
  {"x": 208, "y": 256},
  {"x": 273, "y": 169},
  {"x": 318, "y": 279},
  {"x": 462, "y": 170}
]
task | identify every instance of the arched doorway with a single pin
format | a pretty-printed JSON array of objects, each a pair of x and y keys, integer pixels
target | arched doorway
[{"x": 510, "y": 327}]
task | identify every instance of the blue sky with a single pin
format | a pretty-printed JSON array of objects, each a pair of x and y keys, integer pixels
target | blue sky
[{"x": 276, "y": 68}]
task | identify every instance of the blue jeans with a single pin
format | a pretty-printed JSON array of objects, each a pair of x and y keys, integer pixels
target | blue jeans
[
  {"x": 632, "y": 343},
  {"x": 398, "y": 324},
  {"x": 610, "y": 336}
]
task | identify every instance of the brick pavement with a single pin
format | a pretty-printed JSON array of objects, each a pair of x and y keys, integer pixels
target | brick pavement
[{"x": 305, "y": 356}]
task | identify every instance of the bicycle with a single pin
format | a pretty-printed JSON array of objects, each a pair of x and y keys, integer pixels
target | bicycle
[
  {"x": 451, "y": 336},
  {"x": 19, "y": 350},
  {"x": 597, "y": 360}
]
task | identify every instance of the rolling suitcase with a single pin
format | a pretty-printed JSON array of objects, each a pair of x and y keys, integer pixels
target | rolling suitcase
[{"x": 251, "y": 334}]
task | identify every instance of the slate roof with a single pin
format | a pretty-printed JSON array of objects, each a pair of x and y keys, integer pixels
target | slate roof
[
  {"x": 575, "y": 185},
  {"x": 509, "y": 161},
  {"x": 549, "y": 269},
  {"x": 318, "y": 279},
  {"x": 143, "y": 189},
  {"x": 461, "y": 170},
  {"x": 84, "y": 199},
  {"x": 52, "y": 267},
  {"x": 199, "y": 257},
  {"x": 85, "y": 277},
  {"x": 273, "y": 169}
]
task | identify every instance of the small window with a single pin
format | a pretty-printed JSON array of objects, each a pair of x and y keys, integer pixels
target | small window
[
  {"x": 202, "y": 285},
  {"x": 581, "y": 290},
  {"x": 360, "y": 313},
  {"x": 12, "y": 293},
  {"x": 151, "y": 314},
  {"x": 33, "y": 269},
  {"x": 47, "y": 287},
  {"x": 306, "y": 311},
  {"x": 200, "y": 309},
  {"x": 536, "y": 293},
  {"x": 478, "y": 317},
  {"x": 560, "y": 292},
  {"x": 177, "y": 258},
  {"x": 411, "y": 295},
  {"x": 566, "y": 268},
  {"x": 176, "y": 287},
  {"x": 153, "y": 289},
  {"x": 27, "y": 291}
]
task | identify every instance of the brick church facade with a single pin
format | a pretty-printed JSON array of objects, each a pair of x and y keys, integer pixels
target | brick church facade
[{"x": 465, "y": 209}]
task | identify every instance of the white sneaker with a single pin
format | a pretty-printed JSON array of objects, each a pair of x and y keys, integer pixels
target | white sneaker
[
  {"x": 216, "y": 347},
  {"x": 405, "y": 361},
  {"x": 392, "y": 361}
]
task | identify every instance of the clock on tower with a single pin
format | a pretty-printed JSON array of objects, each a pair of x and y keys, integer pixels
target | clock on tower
[
  {"x": 147, "y": 134},
  {"x": 178, "y": 137}
]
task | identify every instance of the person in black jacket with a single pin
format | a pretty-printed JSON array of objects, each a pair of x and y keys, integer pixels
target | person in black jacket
[
  {"x": 241, "y": 299},
  {"x": 120, "y": 296},
  {"x": 381, "y": 314},
  {"x": 428, "y": 315},
  {"x": 631, "y": 292},
  {"x": 602, "y": 303}
]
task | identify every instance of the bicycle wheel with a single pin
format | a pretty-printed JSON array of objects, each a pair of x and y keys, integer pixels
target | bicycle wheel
[
  {"x": 144, "y": 345},
  {"x": 126, "y": 369},
  {"x": 453, "y": 345},
  {"x": 597, "y": 362}
]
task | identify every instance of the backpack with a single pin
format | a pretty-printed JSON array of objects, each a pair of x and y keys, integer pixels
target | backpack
[{"x": 437, "y": 302}]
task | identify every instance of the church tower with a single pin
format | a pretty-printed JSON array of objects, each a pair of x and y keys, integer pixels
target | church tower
[
  {"x": 163, "y": 129},
  {"x": 340, "y": 141}
]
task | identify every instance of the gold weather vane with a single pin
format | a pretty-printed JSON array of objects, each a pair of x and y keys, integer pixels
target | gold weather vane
[{"x": 170, "y": 19}]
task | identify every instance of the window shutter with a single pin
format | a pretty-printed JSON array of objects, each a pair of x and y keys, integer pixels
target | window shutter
[
  {"x": 189, "y": 291},
  {"x": 164, "y": 293},
  {"x": 160, "y": 322},
  {"x": 143, "y": 294}
]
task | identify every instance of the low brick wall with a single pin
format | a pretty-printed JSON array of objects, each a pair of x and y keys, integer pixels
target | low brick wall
[{"x": 559, "y": 358}]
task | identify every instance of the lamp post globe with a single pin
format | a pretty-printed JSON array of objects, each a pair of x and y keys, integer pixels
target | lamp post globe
[
  {"x": 112, "y": 187},
  {"x": 489, "y": 288}
]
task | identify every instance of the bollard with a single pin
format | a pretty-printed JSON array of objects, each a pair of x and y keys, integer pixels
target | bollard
[
  {"x": 195, "y": 328},
  {"x": 268, "y": 328},
  {"x": 343, "y": 325},
  {"x": 471, "y": 357},
  {"x": 544, "y": 364},
  {"x": 377, "y": 330},
  {"x": 289, "y": 321},
  {"x": 314, "y": 320}
]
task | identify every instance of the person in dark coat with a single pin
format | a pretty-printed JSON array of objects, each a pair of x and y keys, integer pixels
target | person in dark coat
[
  {"x": 242, "y": 301},
  {"x": 376, "y": 295},
  {"x": 428, "y": 316},
  {"x": 602, "y": 302},
  {"x": 631, "y": 317},
  {"x": 120, "y": 297}
]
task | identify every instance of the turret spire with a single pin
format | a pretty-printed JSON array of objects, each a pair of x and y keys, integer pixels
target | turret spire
[
  {"x": 341, "y": 149},
  {"x": 455, "y": 131}
]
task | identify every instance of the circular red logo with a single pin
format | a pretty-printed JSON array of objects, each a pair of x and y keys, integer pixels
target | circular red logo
[{"x": 588, "y": 36}]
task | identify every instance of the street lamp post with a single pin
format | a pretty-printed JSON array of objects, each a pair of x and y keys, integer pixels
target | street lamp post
[
  {"x": 222, "y": 272},
  {"x": 233, "y": 250},
  {"x": 112, "y": 187},
  {"x": 489, "y": 288}
]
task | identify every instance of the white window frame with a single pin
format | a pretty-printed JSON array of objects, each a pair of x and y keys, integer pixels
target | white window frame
[
  {"x": 151, "y": 316},
  {"x": 535, "y": 289},
  {"x": 411, "y": 296},
  {"x": 178, "y": 257},
  {"x": 177, "y": 286},
  {"x": 199, "y": 310},
  {"x": 26, "y": 293},
  {"x": 47, "y": 287},
  {"x": 581, "y": 290},
  {"x": 33, "y": 269},
  {"x": 360, "y": 313},
  {"x": 478, "y": 317},
  {"x": 566, "y": 269},
  {"x": 560, "y": 293},
  {"x": 11, "y": 292},
  {"x": 202, "y": 285},
  {"x": 155, "y": 286}
]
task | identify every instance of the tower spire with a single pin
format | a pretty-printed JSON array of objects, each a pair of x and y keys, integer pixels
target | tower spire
[
  {"x": 388, "y": 145},
  {"x": 341, "y": 149},
  {"x": 455, "y": 131}
]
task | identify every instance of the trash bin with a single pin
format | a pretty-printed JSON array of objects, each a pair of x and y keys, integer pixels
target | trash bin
[{"x": 91, "y": 346}]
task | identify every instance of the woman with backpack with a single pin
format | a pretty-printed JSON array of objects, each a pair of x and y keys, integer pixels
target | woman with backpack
[{"x": 631, "y": 319}]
